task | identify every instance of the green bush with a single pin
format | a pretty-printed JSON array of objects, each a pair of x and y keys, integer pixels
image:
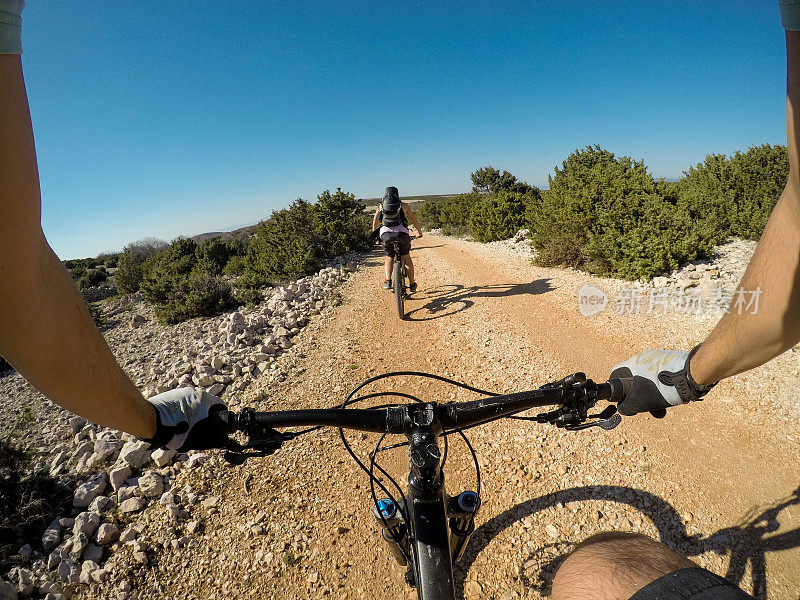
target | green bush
[
  {"x": 93, "y": 277},
  {"x": 298, "y": 240},
  {"x": 488, "y": 180},
  {"x": 183, "y": 281},
  {"x": 498, "y": 217},
  {"x": 129, "y": 264},
  {"x": 451, "y": 214},
  {"x": 285, "y": 246},
  {"x": 607, "y": 215},
  {"x": 734, "y": 196},
  {"x": 340, "y": 222}
]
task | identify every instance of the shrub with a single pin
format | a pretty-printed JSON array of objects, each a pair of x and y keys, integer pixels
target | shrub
[
  {"x": 734, "y": 196},
  {"x": 214, "y": 254},
  {"x": 340, "y": 223},
  {"x": 498, "y": 217},
  {"x": 451, "y": 214},
  {"x": 284, "y": 247},
  {"x": 129, "y": 264},
  {"x": 605, "y": 215},
  {"x": 181, "y": 282},
  {"x": 298, "y": 240},
  {"x": 488, "y": 180},
  {"x": 93, "y": 277}
]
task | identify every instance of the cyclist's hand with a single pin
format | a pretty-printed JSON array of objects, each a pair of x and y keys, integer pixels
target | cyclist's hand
[
  {"x": 660, "y": 379},
  {"x": 183, "y": 420}
]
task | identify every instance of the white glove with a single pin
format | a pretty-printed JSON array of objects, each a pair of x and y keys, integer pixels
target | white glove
[
  {"x": 661, "y": 379},
  {"x": 183, "y": 420}
]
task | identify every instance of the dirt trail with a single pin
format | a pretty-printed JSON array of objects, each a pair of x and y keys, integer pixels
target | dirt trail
[{"x": 716, "y": 481}]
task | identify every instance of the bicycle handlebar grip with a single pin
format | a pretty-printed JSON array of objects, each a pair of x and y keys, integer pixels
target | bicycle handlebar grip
[{"x": 620, "y": 388}]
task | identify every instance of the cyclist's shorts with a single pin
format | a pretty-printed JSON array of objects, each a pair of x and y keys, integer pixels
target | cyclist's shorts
[
  {"x": 693, "y": 583},
  {"x": 403, "y": 238}
]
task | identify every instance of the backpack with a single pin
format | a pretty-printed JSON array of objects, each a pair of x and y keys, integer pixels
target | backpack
[{"x": 392, "y": 213}]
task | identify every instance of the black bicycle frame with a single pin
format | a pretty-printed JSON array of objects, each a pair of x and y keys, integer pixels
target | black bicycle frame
[{"x": 427, "y": 506}]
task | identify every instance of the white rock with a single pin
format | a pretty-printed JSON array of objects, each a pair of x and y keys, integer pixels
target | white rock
[
  {"x": 69, "y": 571},
  {"x": 163, "y": 456},
  {"x": 93, "y": 553},
  {"x": 77, "y": 544},
  {"x": 660, "y": 281},
  {"x": 136, "y": 454},
  {"x": 205, "y": 380},
  {"x": 131, "y": 505},
  {"x": 86, "y": 523},
  {"x": 85, "y": 493},
  {"x": 25, "y": 581},
  {"x": 105, "y": 447},
  {"x": 87, "y": 568},
  {"x": 84, "y": 449},
  {"x": 99, "y": 504},
  {"x": 198, "y": 458},
  {"x": 130, "y": 534},
  {"x": 99, "y": 576},
  {"x": 106, "y": 533},
  {"x": 151, "y": 484},
  {"x": 118, "y": 476}
]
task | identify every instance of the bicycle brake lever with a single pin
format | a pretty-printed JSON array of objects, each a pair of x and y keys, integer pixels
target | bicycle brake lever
[
  {"x": 262, "y": 441},
  {"x": 606, "y": 420}
]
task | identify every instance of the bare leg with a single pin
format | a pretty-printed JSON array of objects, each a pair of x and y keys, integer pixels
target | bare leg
[
  {"x": 409, "y": 268},
  {"x": 388, "y": 263},
  {"x": 614, "y": 566}
]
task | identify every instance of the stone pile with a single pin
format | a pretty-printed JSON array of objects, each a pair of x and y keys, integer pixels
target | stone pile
[
  {"x": 724, "y": 269},
  {"x": 115, "y": 476}
]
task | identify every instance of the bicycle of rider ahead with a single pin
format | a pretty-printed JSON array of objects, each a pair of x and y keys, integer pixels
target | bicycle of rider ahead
[
  {"x": 426, "y": 529},
  {"x": 399, "y": 279}
]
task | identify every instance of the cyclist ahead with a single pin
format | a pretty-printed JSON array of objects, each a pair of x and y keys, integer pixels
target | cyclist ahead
[{"x": 392, "y": 217}]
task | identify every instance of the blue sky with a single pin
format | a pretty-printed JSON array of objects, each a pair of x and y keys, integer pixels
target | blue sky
[{"x": 167, "y": 118}]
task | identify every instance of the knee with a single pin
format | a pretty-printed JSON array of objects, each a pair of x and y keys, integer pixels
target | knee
[{"x": 613, "y": 566}]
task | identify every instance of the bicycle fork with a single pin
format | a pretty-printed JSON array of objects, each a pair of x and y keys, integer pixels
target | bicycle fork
[{"x": 461, "y": 511}]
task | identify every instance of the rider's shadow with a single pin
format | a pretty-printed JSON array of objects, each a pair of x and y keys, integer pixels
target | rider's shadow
[
  {"x": 747, "y": 542},
  {"x": 446, "y": 300}
]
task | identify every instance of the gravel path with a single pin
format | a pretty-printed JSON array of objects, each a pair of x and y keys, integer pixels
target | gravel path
[{"x": 716, "y": 480}]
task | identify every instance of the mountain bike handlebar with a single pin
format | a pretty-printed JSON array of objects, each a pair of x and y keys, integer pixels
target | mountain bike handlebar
[
  {"x": 575, "y": 393},
  {"x": 426, "y": 528}
]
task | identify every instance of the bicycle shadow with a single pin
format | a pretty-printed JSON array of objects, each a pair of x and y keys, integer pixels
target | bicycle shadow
[
  {"x": 446, "y": 300},
  {"x": 746, "y": 542}
]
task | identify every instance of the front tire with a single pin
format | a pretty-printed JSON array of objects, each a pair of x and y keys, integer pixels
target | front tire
[{"x": 400, "y": 288}]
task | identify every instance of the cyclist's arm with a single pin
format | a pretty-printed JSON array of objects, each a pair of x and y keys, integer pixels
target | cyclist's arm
[
  {"x": 743, "y": 341},
  {"x": 46, "y": 332},
  {"x": 375, "y": 219},
  {"x": 413, "y": 218}
]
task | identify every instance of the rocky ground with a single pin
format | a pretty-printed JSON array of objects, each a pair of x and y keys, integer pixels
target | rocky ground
[{"x": 716, "y": 481}]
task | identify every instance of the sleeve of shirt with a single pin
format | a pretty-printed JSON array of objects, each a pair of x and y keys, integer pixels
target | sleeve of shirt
[
  {"x": 11, "y": 26},
  {"x": 790, "y": 14}
]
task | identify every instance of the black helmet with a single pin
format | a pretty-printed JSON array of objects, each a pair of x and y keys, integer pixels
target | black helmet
[{"x": 391, "y": 205}]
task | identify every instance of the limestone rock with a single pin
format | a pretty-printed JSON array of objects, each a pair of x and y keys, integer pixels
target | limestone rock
[{"x": 85, "y": 493}]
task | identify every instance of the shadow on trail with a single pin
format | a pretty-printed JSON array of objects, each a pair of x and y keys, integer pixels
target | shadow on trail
[
  {"x": 746, "y": 542},
  {"x": 450, "y": 299}
]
